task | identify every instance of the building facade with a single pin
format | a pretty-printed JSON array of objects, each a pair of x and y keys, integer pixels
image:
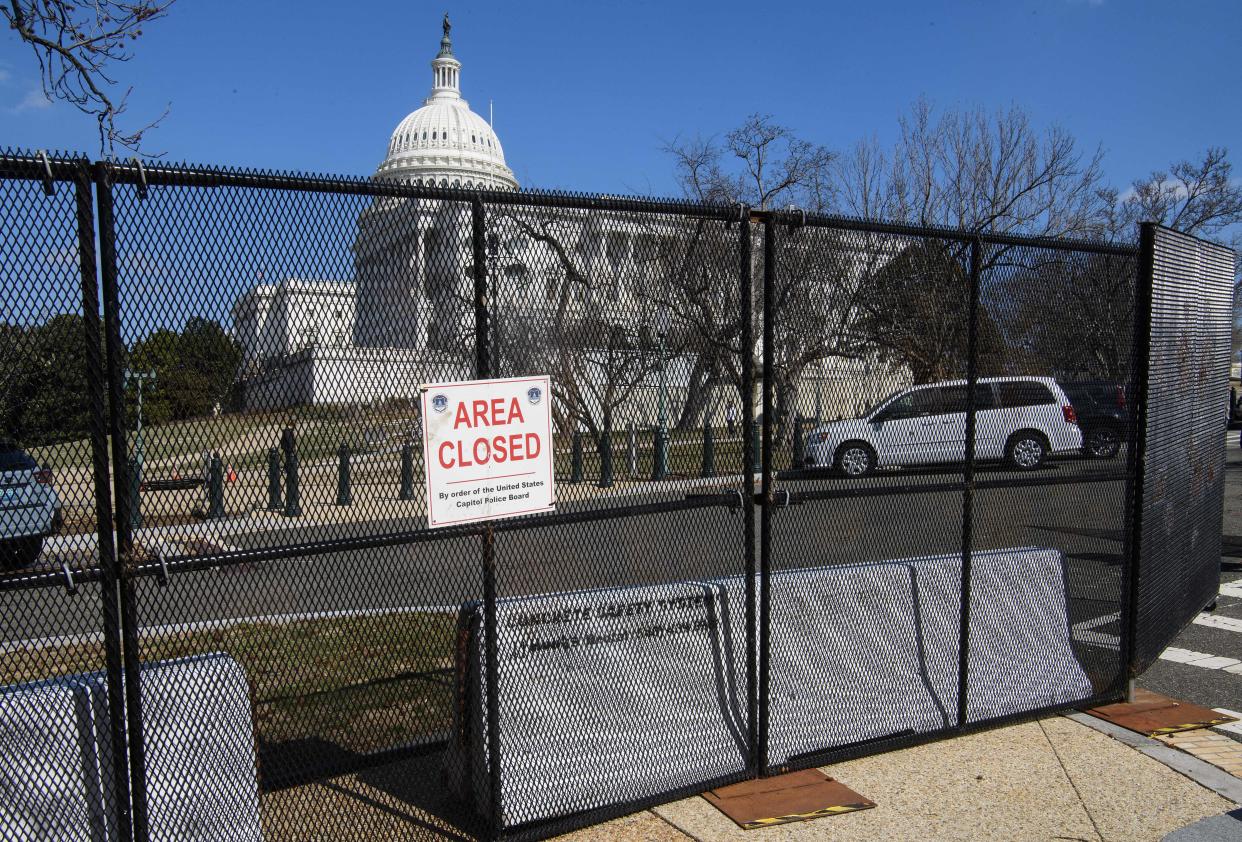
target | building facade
[{"x": 556, "y": 276}]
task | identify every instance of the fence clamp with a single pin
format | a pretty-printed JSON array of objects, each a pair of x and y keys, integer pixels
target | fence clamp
[
  {"x": 70, "y": 586},
  {"x": 788, "y": 497},
  {"x": 142, "y": 178},
  {"x": 163, "y": 576},
  {"x": 49, "y": 183}
]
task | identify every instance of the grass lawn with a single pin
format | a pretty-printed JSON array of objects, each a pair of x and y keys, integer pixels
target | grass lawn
[{"x": 352, "y": 681}]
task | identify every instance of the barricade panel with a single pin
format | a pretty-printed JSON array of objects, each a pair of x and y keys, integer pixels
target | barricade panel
[{"x": 1182, "y": 472}]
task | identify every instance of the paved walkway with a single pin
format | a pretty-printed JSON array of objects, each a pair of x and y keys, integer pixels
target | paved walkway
[{"x": 1045, "y": 780}]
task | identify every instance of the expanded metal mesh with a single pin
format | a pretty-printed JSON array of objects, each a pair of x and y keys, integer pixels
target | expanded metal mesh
[
  {"x": 62, "y": 740},
  {"x": 922, "y": 422},
  {"x": 1187, "y": 404},
  {"x": 816, "y": 478}
]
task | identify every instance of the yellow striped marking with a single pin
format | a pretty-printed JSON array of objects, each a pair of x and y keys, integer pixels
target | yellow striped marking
[
  {"x": 1191, "y": 726},
  {"x": 797, "y": 817}
]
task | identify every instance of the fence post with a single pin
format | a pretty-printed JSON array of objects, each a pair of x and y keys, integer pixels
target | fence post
[
  {"x": 108, "y": 568},
  {"x": 757, "y": 759},
  {"x": 605, "y": 458},
  {"x": 215, "y": 488},
  {"x": 765, "y": 512},
  {"x": 968, "y": 482},
  {"x": 115, "y": 351},
  {"x": 407, "y": 472},
  {"x": 274, "y": 503},
  {"x": 575, "y": 458},
  {"x": 709, "y": 449},
  {"x": 343, "y": 494},
  {"x": 1136, "y": 453}
]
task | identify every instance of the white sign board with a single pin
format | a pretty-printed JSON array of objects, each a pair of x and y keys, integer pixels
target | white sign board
[{"x": 488, "y": 449}]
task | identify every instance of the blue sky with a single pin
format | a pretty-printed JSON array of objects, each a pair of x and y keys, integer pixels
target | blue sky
[{"x": 586, "y": 94}]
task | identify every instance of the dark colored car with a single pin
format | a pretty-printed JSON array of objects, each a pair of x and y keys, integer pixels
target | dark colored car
[{"x": 1103, "y": 415}]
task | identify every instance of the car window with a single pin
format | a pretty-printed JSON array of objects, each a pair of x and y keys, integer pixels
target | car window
[
  {"x": 1024, "y": 393},
  {"x": 16, "y": 460},
  {"x": 912, "y": 405},
  {"x": 984, "y": 399},
  {"x": 952, "y": 399}
]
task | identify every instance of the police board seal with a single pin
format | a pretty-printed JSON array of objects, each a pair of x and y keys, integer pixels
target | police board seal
[
  {"x": 439, "y": 402},
  {"x": 534, "y": 394}
]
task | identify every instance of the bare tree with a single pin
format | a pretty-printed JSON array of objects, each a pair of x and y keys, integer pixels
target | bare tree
[
  {"x": 764, "y": 165},
  {"x": 761, "y": 163},
  {"x": 990, "y": 172},
  {"x": 77, "y": 45},
  {"x": 1197, "y": 198}
]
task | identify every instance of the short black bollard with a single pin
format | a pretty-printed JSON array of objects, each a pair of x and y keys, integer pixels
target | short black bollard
[
  {"x": 755, "y": 444},
  {"x": 343, "y": 494},
  {"x": 799, "y": 443},
  {"x": 575, "y": 461},
  {"x": 135, "y": 494},
  {"x": 709, "y": 450},
  {"x": 659, "y": 454},
  {"x": 407, "y": 472},
  {"x": 293, "y": 500},
  {"x": 274, "y": 503},
  {"x": 215, "y": 488},
  {"x": 605, "y": 459},
  {"x": 633, "y": 447}
]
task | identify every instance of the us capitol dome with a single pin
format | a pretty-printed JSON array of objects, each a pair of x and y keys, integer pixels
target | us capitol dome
[{"x": 444, "y": 143}]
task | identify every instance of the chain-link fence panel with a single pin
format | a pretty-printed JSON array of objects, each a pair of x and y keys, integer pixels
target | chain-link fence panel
[
  {"x": 865, "y": 384},
  {"x": 61, "y": 714},
  {"x": 1187, "y": 355},
  {"x": 295, "y": 621},
  {"x": 1050, "y": 513}
]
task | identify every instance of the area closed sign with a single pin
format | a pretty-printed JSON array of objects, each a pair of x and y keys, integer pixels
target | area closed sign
[{"x": 487, "y": 449}]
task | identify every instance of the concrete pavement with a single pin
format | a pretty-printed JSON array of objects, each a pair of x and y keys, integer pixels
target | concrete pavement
[{"x": 1052, "y": 779}]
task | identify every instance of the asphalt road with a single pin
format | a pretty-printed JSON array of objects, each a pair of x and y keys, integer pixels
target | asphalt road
[{"x": 1084, "y": 521}]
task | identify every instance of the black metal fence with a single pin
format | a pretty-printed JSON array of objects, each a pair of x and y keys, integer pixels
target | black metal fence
[{"x": 825, "y": 487}]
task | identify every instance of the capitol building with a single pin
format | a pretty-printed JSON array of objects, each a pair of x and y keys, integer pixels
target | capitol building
[
  {"x": 381, "y": 334},
  {"x": 406, "y": 316}
]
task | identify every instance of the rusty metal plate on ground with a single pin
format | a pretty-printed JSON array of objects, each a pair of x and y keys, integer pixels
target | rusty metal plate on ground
[
  {"x": 795, "y": 797},
  {"x": 1154, "y": 715}
]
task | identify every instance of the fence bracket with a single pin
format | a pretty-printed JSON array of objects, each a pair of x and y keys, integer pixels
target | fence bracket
[
  {"x": 142, "y": 178},
  {"x": 70, "y": 587},
  {"x": 49, "y": 184},
  {"x": 163, "y": 575}
]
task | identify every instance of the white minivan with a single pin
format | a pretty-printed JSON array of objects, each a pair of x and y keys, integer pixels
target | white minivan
[{"x": 1018, "y": 419}]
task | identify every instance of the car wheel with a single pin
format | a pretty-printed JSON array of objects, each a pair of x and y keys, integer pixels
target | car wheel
[
  {"x": 20, "y": 552},
  {"x": 855, "y": 459},
  {"x": 1102, "y": 443},
  {"x": 1026, "y": 451}
]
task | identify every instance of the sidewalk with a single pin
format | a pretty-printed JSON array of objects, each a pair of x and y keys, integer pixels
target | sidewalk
[{"x": 1051, "y": 779}]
